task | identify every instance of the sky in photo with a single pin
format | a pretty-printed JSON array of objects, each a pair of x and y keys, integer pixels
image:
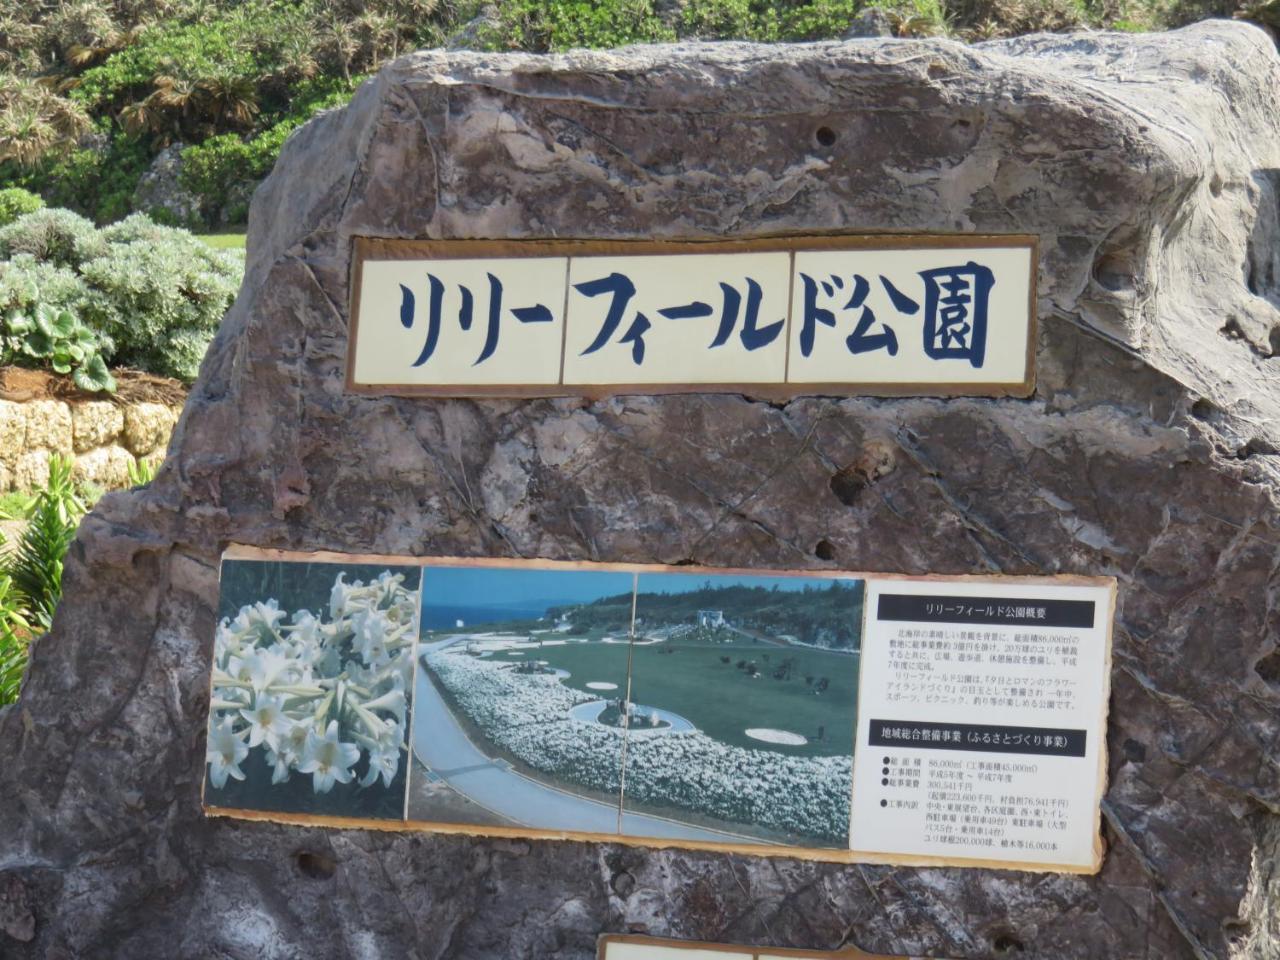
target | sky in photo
[{"x": 481, "y": 586}]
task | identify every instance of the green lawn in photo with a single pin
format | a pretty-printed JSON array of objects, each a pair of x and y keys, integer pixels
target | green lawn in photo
[{"x": 721, "y": 699}]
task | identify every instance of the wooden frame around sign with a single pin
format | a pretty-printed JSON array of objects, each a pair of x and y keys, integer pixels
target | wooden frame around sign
[
  {"x": 375, "y": 248},
  {"x": 832, "y": 855}
]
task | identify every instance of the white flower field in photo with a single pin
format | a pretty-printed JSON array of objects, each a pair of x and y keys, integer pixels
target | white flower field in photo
[
  {"x": 802, "y": 798},
  {"x": 528, "y": 715}
]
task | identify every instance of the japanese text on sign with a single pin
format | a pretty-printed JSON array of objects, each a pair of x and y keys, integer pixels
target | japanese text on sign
[
  {"x": 927, "y": 315},
  {"x": 981, "y": 708}
]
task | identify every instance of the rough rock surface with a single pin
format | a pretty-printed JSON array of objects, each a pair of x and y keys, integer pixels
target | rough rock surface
[
  {"x": 1148, "y": 165},
  {"x": 48, "y": 426},
  {"x": 160, "y": 188}
]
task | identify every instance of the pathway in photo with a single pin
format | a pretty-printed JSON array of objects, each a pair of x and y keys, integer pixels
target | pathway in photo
[{"x": 442, "y": 745}]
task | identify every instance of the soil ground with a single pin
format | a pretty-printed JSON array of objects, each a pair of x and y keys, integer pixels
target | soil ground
[{"x": 132, "y": 386}]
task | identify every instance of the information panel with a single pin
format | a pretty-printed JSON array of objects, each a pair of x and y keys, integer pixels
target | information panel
[
  {"x": 884, "y": 315},
  {"x": 980, "y": 714},
  {"x": 821, "y": 714}
]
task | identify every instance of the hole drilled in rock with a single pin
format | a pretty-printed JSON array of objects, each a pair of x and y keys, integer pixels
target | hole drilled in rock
[
  {"x": 1114, "y": 272},
  {"x": 1231, "y": 329},
  {"x": 316, "y": 865},
  {"x": 824, "y": 550},
  {"x": 1005, "y": 944},
  {"x": 1268, "y": 668},
  {"x": 1134, "y": 752},
  {"x": 825, "y": 136},
  {"x": 1204, "y": 409},
  {"x": 1255, "y": 448},
  {"x": 848, "y": 484}
]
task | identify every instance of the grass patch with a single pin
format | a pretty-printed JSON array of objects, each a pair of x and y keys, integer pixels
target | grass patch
[{"x": 224, "y": 241}]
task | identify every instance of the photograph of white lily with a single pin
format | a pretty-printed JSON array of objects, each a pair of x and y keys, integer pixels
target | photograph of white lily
[{"x": 312, "y": 680}]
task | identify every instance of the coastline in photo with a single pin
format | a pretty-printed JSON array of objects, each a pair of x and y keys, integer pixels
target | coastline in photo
[{"x": 519, "y": 699}]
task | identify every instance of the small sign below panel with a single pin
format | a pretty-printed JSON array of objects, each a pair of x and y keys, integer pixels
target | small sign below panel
[
  {"x": 632, "y": 947},
  {"x": 823, "y": 714},
  {"x": 878, "y": 315}
]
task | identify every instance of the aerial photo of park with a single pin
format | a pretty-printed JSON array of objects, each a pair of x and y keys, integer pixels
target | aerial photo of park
[{"x": 703, "y": 707}]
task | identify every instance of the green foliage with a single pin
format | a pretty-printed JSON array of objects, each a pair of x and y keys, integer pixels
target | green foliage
[
  {"x": 36, "y": 564},
  {"x": 52, "y": 235},
  {"x": 97, "y": 182},
  {"x": 151, "y": 295},
  {"x": 142, "y": 472},
  {"x": 543, "y": 25},
  {"x": 213, "y": 168},
  {"x": 31, "y": 573},
  {"x": 16, "y": 202},
  {"x": 54, "y": 337},
  {"x": 15, "y": 632},
  {"x": 817, "y": 20},
  {"x": 167, "y": 293}
]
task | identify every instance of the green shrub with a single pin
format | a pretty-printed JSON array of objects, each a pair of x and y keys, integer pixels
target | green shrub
[
  {"x": 34, "y": 566},
  {"x": 152, "y": 295},
  {"x": 167, "y": 292},
  {"x": 96, "y": 182},
  {"x": 211, "y": 169},
  {"x": 31, "y": 572},
  {"x": 543, "y": 25},
  {"x": 26, "y": 282},
  {"x": 15, "y": 634},
  {"x": 52, "y": 235},
  {"x": 16, "y": 202}
]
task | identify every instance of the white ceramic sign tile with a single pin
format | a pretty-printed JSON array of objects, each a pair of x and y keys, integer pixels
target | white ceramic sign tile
[
  {"x": 931, "y": 315},
  {"x": 460, "y": 322},
  {"x": 709, "y": 318},
  {"x": 926, "y": 319}
]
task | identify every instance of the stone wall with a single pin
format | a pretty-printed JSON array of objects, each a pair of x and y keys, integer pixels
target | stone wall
[{"x": 104, "y": 437}]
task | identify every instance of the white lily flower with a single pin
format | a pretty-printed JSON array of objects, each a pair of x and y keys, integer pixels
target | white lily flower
[
  {"x": 393, "y": 701},
  {"x": 327, "y": 759},
  {"x": 306, "y": 630},
  {"x": 262, "y": 667},
  {"x": 384, "y": 753},
  {"x": 266, "y": 720},
  {"x": 289, "y": 749},
  {"x": 279, "y": 766},
  {"x": 384, "y": 763},
  {"x": 224, "y": 753},
  {"x": 339, "y": 596},
  {"x": 259, "y": 621},
  {"x": 370, "y": 628}
]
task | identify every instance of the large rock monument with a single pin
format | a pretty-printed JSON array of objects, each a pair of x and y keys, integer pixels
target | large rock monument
[{"x": 1149, "y": 166}]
